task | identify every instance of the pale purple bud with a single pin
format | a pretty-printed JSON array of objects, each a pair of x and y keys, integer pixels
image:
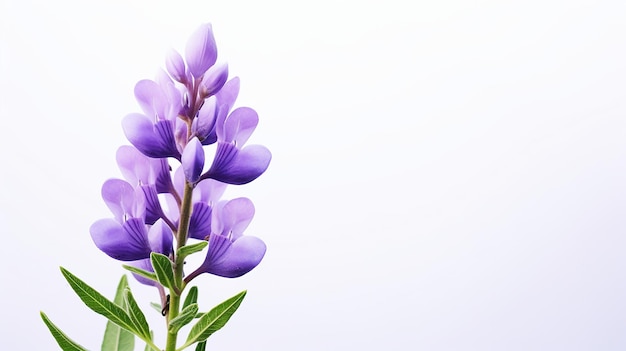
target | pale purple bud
[
  {"x": 201, "y": 52},
  {"x": 214, "y": 79},
  {"x": 204, "y": 124},
  {"x": 193, "y": 160},
  {"x": 176, "y": 66}
]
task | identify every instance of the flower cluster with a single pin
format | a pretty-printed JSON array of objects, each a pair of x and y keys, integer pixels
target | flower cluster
[{"x": 155, "y": 207}]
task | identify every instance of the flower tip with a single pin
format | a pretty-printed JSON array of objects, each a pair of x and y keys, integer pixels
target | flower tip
[
  {"x": 215, "y": 78},
  {"x": 201, "y": 51},
  {"x": 176, "y": 66},
  {"x": 193, "y": 160}
]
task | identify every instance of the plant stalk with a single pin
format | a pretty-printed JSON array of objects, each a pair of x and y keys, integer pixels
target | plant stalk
[{"x": 181, "y": 240}]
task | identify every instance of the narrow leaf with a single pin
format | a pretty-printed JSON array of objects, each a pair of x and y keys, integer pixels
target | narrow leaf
[
  {"x": 157, "y": 306},
  {"x": 185, "y": 316},
  {"x": 136, "y": 315},
  {"x": 214, "y": 320},
  {"x": 116, "y": 338},
  {"x": 98, "y": 303},
  {"x": 141, "y": 272},
  {"x": 192, "y": 296},
  {"x": 163, "y": 269},
  {"x": 190, "y": 249},
  {"x": 62, "y": 339},
  {"x": 201, "y": 346},
  {"x": 148, "y": 347}
]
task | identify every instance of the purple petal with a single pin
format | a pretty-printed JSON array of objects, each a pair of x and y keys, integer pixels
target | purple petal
[
  {"x": 160, "y": 237},
  {"x": 153, "y": 206},
  {"x": 134, "y": 165},
  {"x": 151, "y": 98},
  {"x": 228, "y": 94},
  {"x": 234, "y": 217},
  {"x": 153, "y": 140},
  {"x": 201, "y": 51},
  {"x": 234, "y": 166},
  {"x": 176, "y": 66},
  {"x": 204, "y": 124},
  {"x": 200, "y": 222},
  {"x": 163, "y": 179},
  {"x": 127, "y": 242},
  {"x": 210, "y": 190},
  {"x": 232, "y": 261},
  {"x": 193, "y": 160},
  {"x": 239, "y": 125},
  {"x": 214, "y": 79},
  {"x": 173, "y": 96},
  {"x": 122, "y": 199},
  {"x": 146, "y": 265},
  {"x": 179, "y": 180}
]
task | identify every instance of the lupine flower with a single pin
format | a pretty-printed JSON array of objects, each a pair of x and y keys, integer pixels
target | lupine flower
[
  {"x": 187, "y": 107},
  {"x": 153, "y": 133},
  {"x": 206, "y": 197},
  {"x": 150, "y": 174},
  {"x": 230, "y": 253},
  {"x": 233, "y": 163},
  {"x": 126, "y": 237}
]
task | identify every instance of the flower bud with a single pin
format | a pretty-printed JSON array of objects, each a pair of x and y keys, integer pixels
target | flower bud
[
  {"x": 201, "y": 52},
  {"x": 193, "y": 160}
]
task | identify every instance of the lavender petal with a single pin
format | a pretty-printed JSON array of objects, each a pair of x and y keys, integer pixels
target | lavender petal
[{"x": 201, "y": 51}]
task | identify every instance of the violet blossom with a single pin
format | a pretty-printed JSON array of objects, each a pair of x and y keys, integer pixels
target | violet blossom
[{"x": 187, "y": 107}]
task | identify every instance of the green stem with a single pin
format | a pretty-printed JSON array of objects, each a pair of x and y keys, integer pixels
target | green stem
[{"x": 181, "y": 240}]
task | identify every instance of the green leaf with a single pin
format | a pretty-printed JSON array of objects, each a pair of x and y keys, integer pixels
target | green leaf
[
  {"x": 190, "y": 249},
  {"x": 214, "y": 320},
  {"x": 157, "y": 307},
  {"x": 201, "y": 346},
  {"x": 148, "y": 347},
  {"x": 136, "y": 315},
  {"x": 116, "y": 338},
  {"x": 141, "y": 272},
  {"x": 98, "y": 303},
  {"x": 192, "y": 296},
  {"x": 163, "y": 269},
  {"x": 185, "y": 316},
  {"x": 62, "y": 339}
]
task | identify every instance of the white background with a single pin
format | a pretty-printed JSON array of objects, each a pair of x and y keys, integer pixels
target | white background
[{"x": 446, "y": 175}]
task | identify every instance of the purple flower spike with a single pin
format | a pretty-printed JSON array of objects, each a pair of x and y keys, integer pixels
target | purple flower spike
[
  {"x": 201, "y": 52},
  {"x": 231, "y": 254},
  {"x": 188, "y": 105},
  {"x": 193, "y": 160}
]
